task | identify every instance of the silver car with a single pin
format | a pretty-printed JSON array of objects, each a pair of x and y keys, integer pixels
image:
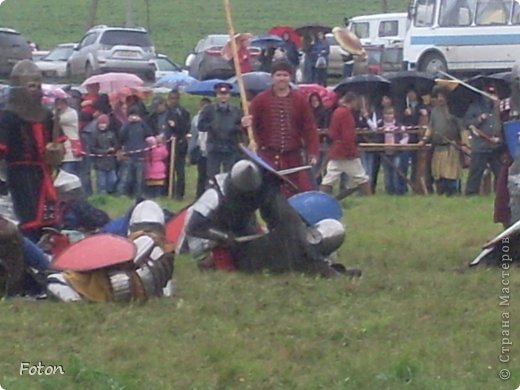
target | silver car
[
  {"x": 113, "y": 49},
  {"x": 54, "y": 64},
  {"x": 206, "y": 61}
]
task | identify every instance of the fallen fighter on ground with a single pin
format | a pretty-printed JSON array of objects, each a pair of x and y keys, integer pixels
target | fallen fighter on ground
[{"x": 223, "y": 232}]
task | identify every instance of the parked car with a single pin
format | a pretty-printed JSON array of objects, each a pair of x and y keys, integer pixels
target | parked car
[
  {"x": 113, "y": 49},
  {"x": 206, "y": 62},
  {"x": 380, "y": 59},
  {"x": 164, "y": 66},
  {"x": 13, "y": 48},
  {"x": 37, "y": 55},
  {"x": 54, "y": 64},
  {"x": 380, "y": 29},
  {"x": 335, "y": 67}
]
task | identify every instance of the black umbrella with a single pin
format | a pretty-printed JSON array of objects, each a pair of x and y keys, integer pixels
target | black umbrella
[
  {"x": 501, "y": 81},
  {"x": 460, "y": 98},
  {"x": 312, "y": 28},
  {"x": 364, "y": 84},
  {"x": 403, "y": 81}
]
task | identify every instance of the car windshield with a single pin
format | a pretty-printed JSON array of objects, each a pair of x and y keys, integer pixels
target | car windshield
[
  {"x": 59, "y": 54},
  {"x": 166, "y": 66},
  {"x": 125, "y": 37}
]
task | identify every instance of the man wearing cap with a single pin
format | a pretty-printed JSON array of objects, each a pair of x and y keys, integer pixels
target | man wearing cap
[
  {"x": 483, "y": 120},
  {"x": 26, "y": 129},
  {"x": 221, "y": 121},
  {"x": 283, "y": 127}
]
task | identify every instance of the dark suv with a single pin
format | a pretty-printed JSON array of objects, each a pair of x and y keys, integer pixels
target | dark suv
[{"x": 13, "y": 48}]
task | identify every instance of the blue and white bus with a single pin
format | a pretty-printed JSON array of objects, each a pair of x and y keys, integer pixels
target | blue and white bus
[{"x": 462, "y": 35}]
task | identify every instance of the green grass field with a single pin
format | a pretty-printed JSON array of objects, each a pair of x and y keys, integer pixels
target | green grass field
[{"x": 417, "y": 319}]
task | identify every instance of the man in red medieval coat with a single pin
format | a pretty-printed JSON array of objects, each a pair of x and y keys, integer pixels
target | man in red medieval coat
[
  {"x": 26, "y": 144},
  {"x": 284, "y": 129}
]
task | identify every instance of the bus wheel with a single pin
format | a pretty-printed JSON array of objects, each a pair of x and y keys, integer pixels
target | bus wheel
[{"x": 432, "y": 63}]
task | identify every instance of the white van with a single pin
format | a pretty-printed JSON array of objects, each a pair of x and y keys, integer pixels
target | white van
[{"x": 380, "y": 29}]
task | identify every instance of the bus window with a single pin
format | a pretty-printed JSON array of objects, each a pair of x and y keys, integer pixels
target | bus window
[
  {"x": 456, "y": 13},
  {"x": 516, "y": 13},
  {"x": 492, "y": 12},
  {"x": 388, "y": 28},
  {"x": 424, "y": 13},
  {"x": 361, "y": 30}
]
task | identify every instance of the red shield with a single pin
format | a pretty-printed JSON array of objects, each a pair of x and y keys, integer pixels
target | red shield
[
  {"x": 95, "y": 252},
  {"x": 175, "y": 227}
]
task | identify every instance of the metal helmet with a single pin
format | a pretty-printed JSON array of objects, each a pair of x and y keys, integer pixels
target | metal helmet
[
  {"x": 327, "y": 235},
  {"x": 146, "y": 212},
  {"x": 23, "y": 100},
  {"x": 68, "y": 184},
  {"x": 246, "y": 176}
]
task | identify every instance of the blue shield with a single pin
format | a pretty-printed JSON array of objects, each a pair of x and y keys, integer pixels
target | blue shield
[
  {"x": 314, "y": 206},
  {"x": 512, "y": 137}
]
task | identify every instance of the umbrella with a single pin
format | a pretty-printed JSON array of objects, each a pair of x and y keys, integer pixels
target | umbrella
[
  {"x": 268, "y": 40},
  {"x": 178, "y": 80},
  {"x": 327, "y": 96},
  {"x": 364, "y": 84},
  {"x": 312, "y": 28},
  {"x": 281, "y": 30},
  {"x": 207, "y": 87},
  {"x": 51, "y": 93},
  {"x": 112, "y": 82},
  {"x": 501, "y": 81},
  {"x": 348, "y": 41},
  {"x": 226, "y": 52},
  {"x": 254, "y": 82},
  {"x": 460, "y": 98},
  {"x": 402, "y": 81},
  {"x": 506, "y": 76}
]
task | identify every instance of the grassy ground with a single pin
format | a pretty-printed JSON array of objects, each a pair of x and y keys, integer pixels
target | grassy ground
[
  {"x": 417, "y": 319},
  {"x": 176, "y": 26}
]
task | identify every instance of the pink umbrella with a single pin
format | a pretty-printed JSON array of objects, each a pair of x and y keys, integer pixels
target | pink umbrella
[
  {"x": 51, "y": 92},
  {"x": 327, "y": 96},
  {"x": 112, "y": 82}
]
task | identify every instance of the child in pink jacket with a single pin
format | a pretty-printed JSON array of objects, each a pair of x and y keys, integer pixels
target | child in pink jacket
[{"x": 155, "y": 166}]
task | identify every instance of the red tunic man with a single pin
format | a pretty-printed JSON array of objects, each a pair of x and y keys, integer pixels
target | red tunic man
[
  {"x": 284, "y": 129},
  {"x": 25, "y": 136}
]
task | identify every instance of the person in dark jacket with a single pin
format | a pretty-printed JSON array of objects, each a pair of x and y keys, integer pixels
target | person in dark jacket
[
  {"x": 158, "y": 119},
  {"x": 291, "y": 50},
  {"x": 105, "y": 144},
  {"x": 222, "y": 123},
  {"x": 483, "y": 120},
  {"x": 322, "y": 119},
  {"x": 179, "y": 122},
  {"x": 133, "y": 141}
]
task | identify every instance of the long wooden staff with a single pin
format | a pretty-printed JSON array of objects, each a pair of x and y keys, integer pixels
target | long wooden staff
[
  {"x": 172, "y": 167},
  {"x": 236, "y": 62},
  {"x": 469, "y": 86}
]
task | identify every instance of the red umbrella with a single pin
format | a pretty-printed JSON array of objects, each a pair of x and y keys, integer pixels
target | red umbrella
[
  {"x": 293, "y": 36},
  {"x": 328, "y": 97}
]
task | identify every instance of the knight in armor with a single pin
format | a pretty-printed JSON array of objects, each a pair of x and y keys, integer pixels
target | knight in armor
[
  {"x": 30, "y": 150},
  {"x": 146, "y": 276},
  {"x": 223, "y": 232}
]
